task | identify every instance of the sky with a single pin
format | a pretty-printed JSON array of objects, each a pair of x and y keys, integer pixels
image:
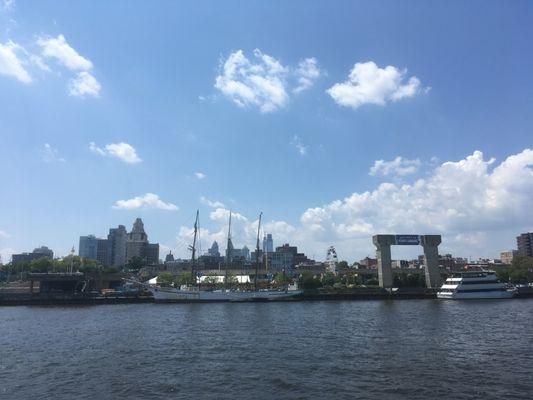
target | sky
[{"x": 338, "y": 120}]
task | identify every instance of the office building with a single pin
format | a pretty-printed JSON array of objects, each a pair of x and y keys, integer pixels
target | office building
[
  {"x": 524, "y": 243},
  {"x": 508, "y": 256},
  {"x": 116, "y": 246},
  {"x": 88, "y": 247}
]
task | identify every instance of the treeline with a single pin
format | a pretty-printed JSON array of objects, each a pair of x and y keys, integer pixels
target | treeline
[{"x": 520, "y": 271}]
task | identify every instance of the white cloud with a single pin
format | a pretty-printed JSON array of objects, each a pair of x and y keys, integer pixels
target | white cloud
[
  {"x": 477, "y": 205},
  {"x": 200, "y": 175},
  {"x": 58, "y": 49},
  {"x": 8, "y": 5},
  {"x": 84, "y": 84},
  {"x": 211, "y": 203},
  {"x": 397, "y": 167},
  {"x": 369, "y": 84},
  {"x": 11, "y": 64},
  {"x": 4, "y": 235},
  {"x": 307, "y": 73},
  {"x": 298, "y": 144},
  {"x": 264, "y": 83},
  {"x": 145, "y": 202},
  {"x": 123, "y": 151},
  {"x": 458, "y": 198},
  {"x": 50, "y": 154},
  {"x": 39, "y": 62}
]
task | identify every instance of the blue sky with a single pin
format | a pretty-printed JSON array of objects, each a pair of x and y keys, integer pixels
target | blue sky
[{"x": 285, "y": 108}]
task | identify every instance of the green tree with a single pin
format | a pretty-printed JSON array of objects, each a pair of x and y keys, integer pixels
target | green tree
[
  {"x": 165, "y": 277},
  {"x": 308, "y": 281},
  {"x": 211, "y": 279},
  {"x": 342, "y": 265},
  {"x": 230, "y": 279},
  {"x": 43, "y": 264},
  {"x": 135, "y": 263},
  {"x": 281, "y": 279},
  {"x": 186, "y": 279}
]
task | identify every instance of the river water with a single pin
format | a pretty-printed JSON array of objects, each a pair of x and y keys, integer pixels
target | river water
[{"x": 411, "y": 349}]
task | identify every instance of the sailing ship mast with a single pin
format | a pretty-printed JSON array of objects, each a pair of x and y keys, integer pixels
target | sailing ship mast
[
  {"x": 228, "y": 252},
  {"x": 193, "y": 249},
  {"x": 257, "y": 252}
]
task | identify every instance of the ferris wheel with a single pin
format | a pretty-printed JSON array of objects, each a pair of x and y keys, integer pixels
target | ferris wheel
[{"x": 332, "y": 260}]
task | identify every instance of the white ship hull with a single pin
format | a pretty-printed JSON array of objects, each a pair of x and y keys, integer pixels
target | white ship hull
[
  {"x": 497, "y": 294},
  {"x": 474, "y": 285},
  {"x": 174, "y": 294}
]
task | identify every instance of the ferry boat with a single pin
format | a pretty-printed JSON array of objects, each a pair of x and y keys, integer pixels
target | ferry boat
[
  {"x": 475, "y": 285},
  {"x": 194, "y": 294}
]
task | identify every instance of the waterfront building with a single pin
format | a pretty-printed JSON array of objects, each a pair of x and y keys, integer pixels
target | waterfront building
[
  {"x": 524, "y": 244},
  {"x": 88, "y": 247},
  {"x": 508, "y": 256},
  {"x": 278, "y": 261},
  {"x": 39, "y": 252},
  {"x": 116, "y": 246}
]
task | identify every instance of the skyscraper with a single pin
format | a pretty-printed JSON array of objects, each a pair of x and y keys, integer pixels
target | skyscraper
[
  {"x": 88, "y": 247},
  {"x": 137, "y": 244},
  {"x": 116, "y": 246},
  {"x": 268, "y": 243}
]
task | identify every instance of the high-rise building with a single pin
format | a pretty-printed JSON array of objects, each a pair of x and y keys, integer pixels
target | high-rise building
[
  {"x": 137, "y": 244},
  {"x": 213, "y": 250},
  {"x": 524, "y": 243},
  {"x": 101, "y": 251},
  {"x": 88, "y": 247},
  {"x": 137, "y": 240},
  {"x": 268, "y": 243},
  {"x": 507, "y": 256},
  {"x": 116, "y": 246}
]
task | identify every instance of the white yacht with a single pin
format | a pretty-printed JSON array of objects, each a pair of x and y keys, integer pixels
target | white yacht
[{"x": 474, "y": 285}]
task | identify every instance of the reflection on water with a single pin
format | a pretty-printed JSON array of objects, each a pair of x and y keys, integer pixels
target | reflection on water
[{"x": 413, "y": 349}]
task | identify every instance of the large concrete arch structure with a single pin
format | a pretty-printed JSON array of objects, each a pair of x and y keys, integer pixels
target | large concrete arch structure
[{"x": 430, "y": 244}]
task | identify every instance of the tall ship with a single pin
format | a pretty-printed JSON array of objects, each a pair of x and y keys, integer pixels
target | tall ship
[
  {"x": 194, "y": 293},
  {"x": 474, "y": 285}
]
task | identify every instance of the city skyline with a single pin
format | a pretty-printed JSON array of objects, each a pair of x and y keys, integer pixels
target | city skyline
[{"x": 397, "y": 128}]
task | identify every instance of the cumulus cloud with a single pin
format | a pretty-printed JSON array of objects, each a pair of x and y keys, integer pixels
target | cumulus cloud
[
  {"x": 84, "y": 84},
  {"x": 299, "y": 145},
  {"x": 123, "y": 151},
  {"x": 10, "y": 62},
  {"x": 397, "y": 167},
  {"x": 211, "y": 203},
  {"x": 476, "y": 204},
  {"x": 59, "y": 50},
  {"x": 200, "y": 175},
  {"x": 307, "y": 73},
  {"x": 369, "y": 84},
  {"x": 50, "y": 154},
  {"x": 263, "y": 82},
  {"x": 146, "y": 202},
  {"x": 458, "y": 198}
]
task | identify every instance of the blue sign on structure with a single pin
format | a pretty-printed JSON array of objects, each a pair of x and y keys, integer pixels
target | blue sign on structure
[{"x": 407, "y": 239}]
